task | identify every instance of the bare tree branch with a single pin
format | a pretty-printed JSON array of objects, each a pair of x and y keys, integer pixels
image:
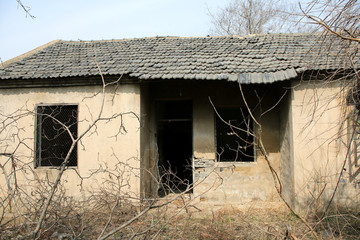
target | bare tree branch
[{"x": 25, "y": 8}]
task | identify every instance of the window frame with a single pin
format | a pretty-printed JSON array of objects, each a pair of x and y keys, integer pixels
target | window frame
[{"x": 38, "y": 129}]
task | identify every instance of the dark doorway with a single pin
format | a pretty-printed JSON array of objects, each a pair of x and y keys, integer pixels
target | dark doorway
[{"x": 174, "y": 138}]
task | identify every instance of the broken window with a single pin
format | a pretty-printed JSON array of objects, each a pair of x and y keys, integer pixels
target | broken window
[
  {"x": 54, "y": 124},
  {"x": 234, "y": 135}
]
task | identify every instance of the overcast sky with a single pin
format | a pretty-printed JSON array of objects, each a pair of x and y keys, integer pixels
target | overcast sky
[{"x": 99, "y": 19}]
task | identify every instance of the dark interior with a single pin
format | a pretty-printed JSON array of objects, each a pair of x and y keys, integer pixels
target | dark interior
[
  {"x": 53, "y": 141},
  {"x": 174, "y": 138},
  {"x": 235, "y": 142}
]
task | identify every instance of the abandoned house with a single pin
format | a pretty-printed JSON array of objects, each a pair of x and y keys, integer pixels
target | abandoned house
[{"x": 193, "y": 114}]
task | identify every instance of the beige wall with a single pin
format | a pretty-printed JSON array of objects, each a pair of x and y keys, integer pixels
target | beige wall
[
  {"x": 103, "y": 147},
  {"x": 286, "y": 145},
  {"x": 301, "y": 135},
  {"x": 319, "y": 120}
]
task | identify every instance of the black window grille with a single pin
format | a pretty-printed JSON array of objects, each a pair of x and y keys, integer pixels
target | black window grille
[
  {"x": 234, "y": 144},
  {"x": 54, "y": 124}
]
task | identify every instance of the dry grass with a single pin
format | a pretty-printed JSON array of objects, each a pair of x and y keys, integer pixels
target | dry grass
[
  {"x": 225, "y": 222},
  {"x": 231, "y": 223},
  {"x": 248, "y": 222}
]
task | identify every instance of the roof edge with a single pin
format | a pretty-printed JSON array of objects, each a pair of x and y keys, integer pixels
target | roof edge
[
  {"x": 27, "y": 54},
  {"x": 267, "y": 77}
]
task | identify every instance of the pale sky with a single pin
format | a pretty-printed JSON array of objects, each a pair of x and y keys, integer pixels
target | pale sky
[{"x": 99, "y": 19}]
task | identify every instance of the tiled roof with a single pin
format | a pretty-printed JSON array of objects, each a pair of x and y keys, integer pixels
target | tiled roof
[{"x": 254, "y": 58}]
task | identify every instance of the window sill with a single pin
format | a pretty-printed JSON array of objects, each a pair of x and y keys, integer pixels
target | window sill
[
  {"x": 53, "y": 168},
  {"x": 235, "y": 164},
  {"x": 211, "y": 163}
]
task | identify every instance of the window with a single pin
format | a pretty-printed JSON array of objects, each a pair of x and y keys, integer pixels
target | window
[
  {"x": 52, "y": 139},
  {"x": 234, "y": 144}
]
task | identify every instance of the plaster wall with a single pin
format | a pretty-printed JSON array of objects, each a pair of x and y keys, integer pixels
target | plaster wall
[
  {"x": 286, "y": 146},
  {"x": 112, "y": 145},
  {"x": 320, "y": 140}
]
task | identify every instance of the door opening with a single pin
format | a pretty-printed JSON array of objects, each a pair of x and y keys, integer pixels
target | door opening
[{"x": 175, "y": 147}]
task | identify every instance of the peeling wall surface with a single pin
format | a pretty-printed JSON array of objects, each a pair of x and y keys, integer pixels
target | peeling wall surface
[{"x": 113, "y": 145}]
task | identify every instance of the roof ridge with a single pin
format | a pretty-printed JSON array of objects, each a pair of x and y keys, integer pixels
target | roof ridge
[
  {"x": 180, "y": 37},
  {"x": 142, "y": 38},
  {"x": 27, "y": 54}
]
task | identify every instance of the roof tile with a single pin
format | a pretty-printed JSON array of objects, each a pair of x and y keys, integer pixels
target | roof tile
[{"x": 249, "y": 59}]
